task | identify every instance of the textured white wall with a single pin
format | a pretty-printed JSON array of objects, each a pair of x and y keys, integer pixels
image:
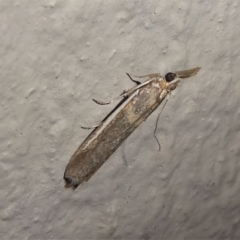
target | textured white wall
[{"x": 56, "y": 56}]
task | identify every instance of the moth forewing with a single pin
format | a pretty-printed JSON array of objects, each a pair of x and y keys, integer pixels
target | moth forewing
[{"x": 103, "y": 141}]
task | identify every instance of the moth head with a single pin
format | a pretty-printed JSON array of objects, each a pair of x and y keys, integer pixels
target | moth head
[
  {"x": 169, "y": 77},
  {"x": 173, "y": 78}
]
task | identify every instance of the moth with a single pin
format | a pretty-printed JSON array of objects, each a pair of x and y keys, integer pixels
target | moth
[{"x": 135, "y": 106}]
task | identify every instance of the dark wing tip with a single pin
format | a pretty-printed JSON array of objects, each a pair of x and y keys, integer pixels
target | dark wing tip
[{"x": 69, "y": 183}]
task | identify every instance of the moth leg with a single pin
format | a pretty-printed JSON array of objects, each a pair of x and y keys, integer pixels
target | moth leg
[
  {"x": 125, "y": 94},
  {"x": 156, "y": 125},
  {"x": 108, "y": 115},
  {"x": 122, "y": 95},
  {"x": 135, "y": 81},
  {"x": 129, "y": 92},
  {"x": 93, "y": 127}
]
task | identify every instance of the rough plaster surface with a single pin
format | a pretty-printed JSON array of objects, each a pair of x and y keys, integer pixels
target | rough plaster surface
[{"x": 57, "y": 55}]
